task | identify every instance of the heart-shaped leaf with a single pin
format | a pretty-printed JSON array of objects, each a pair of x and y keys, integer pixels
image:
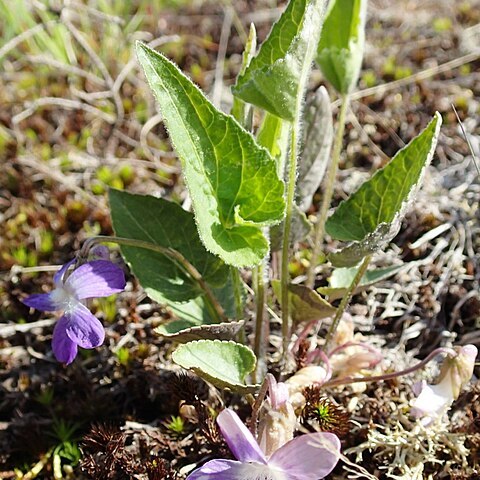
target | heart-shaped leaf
[
  {"x": 317, "y": 143},
  {"x": 232, "y": 181},
  {"x": 340, "y": 50},
  {"x": 275, "y": 79},
  {"x": 371, "y": 216},
  {"x": 224, "y": 364}
]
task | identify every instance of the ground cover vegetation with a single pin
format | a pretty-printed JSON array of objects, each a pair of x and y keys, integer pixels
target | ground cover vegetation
[{"x": 267, "y": 218}]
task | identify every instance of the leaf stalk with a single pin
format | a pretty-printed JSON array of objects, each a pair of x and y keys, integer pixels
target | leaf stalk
[
  {"x": 172, "y": 254},
  {"x": 328, "y": 193}
]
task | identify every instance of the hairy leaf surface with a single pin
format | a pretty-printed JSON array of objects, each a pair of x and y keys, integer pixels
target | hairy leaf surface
[
  {"x": 275, "y": 78},
  {"x": 232, "y": 181},
  {"x": 317, "y": 143},
  {"x": 340, "y": 50},
  {"x": 225, "y": 364},
  {"x": 371, "y": 216}
]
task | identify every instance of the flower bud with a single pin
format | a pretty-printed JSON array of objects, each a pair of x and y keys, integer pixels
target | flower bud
[
  {"x": 277, "y": 418},
  {"x": 458, "y": 371}
]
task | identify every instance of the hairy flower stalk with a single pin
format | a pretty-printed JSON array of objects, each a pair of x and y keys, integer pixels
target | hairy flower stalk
[{"x": 77, "y": 327}]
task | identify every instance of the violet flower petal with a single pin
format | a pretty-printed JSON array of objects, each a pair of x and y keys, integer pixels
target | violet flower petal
[
  {"x": 239, "y": 438},
  {"x": 58, "y": 277},
  {"x": 232, "y": 470},
  {"x": 41, "y": 301},
  {"x": 84, "y": 328},
  {"x": 309, "y": 457},
  {"x": 99, "y": 278},
  {"x": 64, "y": 349},
  {"x": 100, "y": 252}
]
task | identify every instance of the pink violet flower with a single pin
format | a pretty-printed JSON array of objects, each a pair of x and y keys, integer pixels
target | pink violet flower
[
  {"x": 78, "y": 326},
  {"x": 308, "y": 457}
]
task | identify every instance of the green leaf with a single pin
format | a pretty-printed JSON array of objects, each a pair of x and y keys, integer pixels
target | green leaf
[
  {"x": 273, "y": 135},
  {"x": 239, "y": 108},
  {"x": 224, "y": 364},
  {"x": 317, "y": 143},
  {"x": 371, "y": 217},
  {"x": 182, "y": 332},
  {"x": 342, "y": 42},
  {"x": 163, "y": 223},
  {"x": 342, "y": 278},
  {"x": 232, "y": 181},
  {"x": 306, "y": 304},
  {"x": 198, "y": 312},
  {"x": 275, "y": 79}
]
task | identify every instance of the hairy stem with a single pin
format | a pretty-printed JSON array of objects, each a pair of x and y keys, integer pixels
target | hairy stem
[
  {"x": 346, "y": 300},
  {"x": 292, "y": 173},
  {"x": 259, "y": 280},
  {"x": 328, "y": 193},
  {"x": 173, "y": 255},
  {"x": 237, "y": 292}
]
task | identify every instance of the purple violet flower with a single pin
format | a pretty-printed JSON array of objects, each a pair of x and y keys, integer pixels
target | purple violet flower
[
  {"x": 77, "y": 326},
  {"x": 308, "y": 457}
]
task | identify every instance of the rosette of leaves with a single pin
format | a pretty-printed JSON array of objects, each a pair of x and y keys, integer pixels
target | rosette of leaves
[{"x": 341, "y": 46}]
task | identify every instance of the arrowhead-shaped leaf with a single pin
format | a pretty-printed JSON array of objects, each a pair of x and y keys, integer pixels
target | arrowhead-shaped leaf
[
  {"x": 371, "y": 217},
  {"x": 340, "y": 50},
  {"x": 317, "y": 143},
  {"x": 232, "y": 181},
  {"x": 275, "y": 78},
  {"x": 224, "y": 364}
]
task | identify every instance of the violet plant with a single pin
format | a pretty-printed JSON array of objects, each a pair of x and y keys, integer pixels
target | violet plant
[{"x": 251, "y": 176}]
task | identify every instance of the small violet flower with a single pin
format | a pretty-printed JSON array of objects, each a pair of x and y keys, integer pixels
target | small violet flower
[
  {"x": 433, "y": 401},
  {"x": 77, "y": 326},
  {"x": 308, "y": 457}
]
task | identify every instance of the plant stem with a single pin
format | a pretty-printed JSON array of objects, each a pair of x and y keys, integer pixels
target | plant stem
[
  {"x": 328, "y": 193},
  {"x": 346, "y": 300},
  {"x": 292, "y": 173},
  {"x": 259, "y": 273},
  {"x": 172, "y": 254},
  {"x": 388, "y": 376},
  {"x": 237, "y": 292}
]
